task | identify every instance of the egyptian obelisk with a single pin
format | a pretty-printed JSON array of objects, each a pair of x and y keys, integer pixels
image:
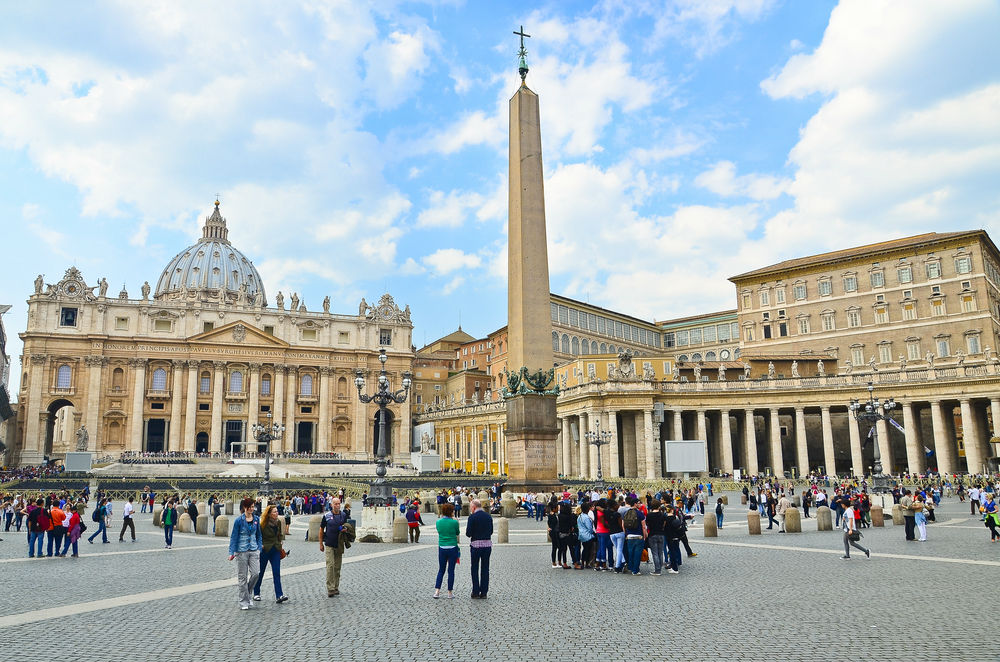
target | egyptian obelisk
[{"x": 530, "y": 391}]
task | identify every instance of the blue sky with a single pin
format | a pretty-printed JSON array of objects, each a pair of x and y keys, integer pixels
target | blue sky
[{"x": 359, "y": 149}]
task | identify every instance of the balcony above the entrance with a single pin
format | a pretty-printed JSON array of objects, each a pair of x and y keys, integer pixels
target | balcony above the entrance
[
  {"x": 158, "y": 393},
  {"x": 236, "y": 395},
  {"x": 307, "y": 397}
]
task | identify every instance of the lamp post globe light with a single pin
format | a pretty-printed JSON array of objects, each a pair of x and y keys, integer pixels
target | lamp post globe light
[
  {"x": 265, "y": 434},
  {"x": 598, "y": 438},
  {"x": 380, "y": 493},
  {"x": 871, "y": 412}
]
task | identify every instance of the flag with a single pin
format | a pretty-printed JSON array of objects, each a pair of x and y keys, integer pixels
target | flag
[
  {"x": 896, "y": 425},
  {"x": 928, "y": 452},
  {"x": 871, "y": 431}
]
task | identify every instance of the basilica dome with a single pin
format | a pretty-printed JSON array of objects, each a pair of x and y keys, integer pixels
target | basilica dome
[{"x": 212, "y": 268}]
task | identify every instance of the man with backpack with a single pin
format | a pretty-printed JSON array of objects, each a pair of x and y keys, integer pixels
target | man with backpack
[
  {"x": 38, "y": 521},
  {"x": 100, "y": 517},
  {"x": 634, "y": 522}
]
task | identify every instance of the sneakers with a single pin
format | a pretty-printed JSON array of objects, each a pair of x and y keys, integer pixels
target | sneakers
[
  {"x": 845, "y": 557},
  {"x": 656, "y": 574},
  {"x": 256, "y": 598},
  {"x": 282, "y": 599},
  {"x": 556, "y": 565},
  {"x": 692, "y": 554},
  {"x": 673, "y": 572},
  {"x": 868, "y": 553}
]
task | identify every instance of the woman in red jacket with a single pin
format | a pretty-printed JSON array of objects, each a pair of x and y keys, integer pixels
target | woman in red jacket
[{"x": 73, "y": 536}]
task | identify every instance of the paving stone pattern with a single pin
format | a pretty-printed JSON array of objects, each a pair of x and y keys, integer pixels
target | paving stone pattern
[{"x": 715, "y": 609}]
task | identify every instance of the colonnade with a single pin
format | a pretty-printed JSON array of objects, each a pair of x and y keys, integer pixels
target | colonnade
[{"x": 473, "y": 446}]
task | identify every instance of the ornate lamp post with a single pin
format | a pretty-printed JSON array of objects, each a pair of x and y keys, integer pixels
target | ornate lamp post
[
  {"x": 871, "y": 412},
  {"x": 265, "y": 434},
  {"x": 597, "y": 437},
  {"x": 380, "y": 492}
]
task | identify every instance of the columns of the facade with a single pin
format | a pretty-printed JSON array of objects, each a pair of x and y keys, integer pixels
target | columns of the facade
[
  {"x": 829, "y": 457},
  {"x": 405, "y": 436},
  {"x": 970, "y": 438},
  {"x": 801, "y": 443},
  {"x": 944, "y": 447},
  {"x": 325, "y": 396},
  {"x": 884, "y": 447},
  {"x": 176, "y": 401},
  {"x": 611, "y": 425},
  {"x": 567, "y": 453},
  {"x": 911, "y": 435},
  {"x": 678, "y": 424},
  {"x": 750, "y": 442},
  {"x": 138, "y": 400},
  {"x": 653, "y": 469},
  {"x": 726, "y": 439},
  {"x": 291, "y": 386},
  {"x": 218, "y": 384},
  {"x": 190, "y": 406},
  {"x": 857, "y": 462},
  {"x": 703, "y": 435},
  {"x": 995, "y": 415},
  {"x": 584, "y": 447},
  {"x": 95, "y": 368},
  {"x": 253, "y": 399},
  {"x": 777, "y": 457},
  {"x": 33, "y": 442},
  {"x": 278, "y": 406}
]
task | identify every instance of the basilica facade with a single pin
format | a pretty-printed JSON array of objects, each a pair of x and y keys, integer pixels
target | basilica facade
[{"x": 193, "y": 364}]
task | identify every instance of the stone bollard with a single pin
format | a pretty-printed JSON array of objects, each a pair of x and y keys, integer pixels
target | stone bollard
[
  {"x": 201, "y": 526},
  {"x": 484, "y": 498},
  {"x": 202, "y": 508},
  {"x": 797, "y": 501},
  {"x": 503, "y": 530},
  {"x": 753, "y": 523},
  {"x": 314, "y": 527},
  {"x": 157, "y": 516},
  {"x": 399, "y": 530},
  {"x": 793, "y": 521},
  {"x": 897, "y": 515},
  {"x": 743, "y": 499},
  {"x": 508, "y": 507},
  {"x": 824, "y": 519},
  {"x": 465, "y": 505},
  {"x": 221, "y": 526},
  {"x": 184, "y": 524},
  {"x": 878, "y": 516},
  {"x": 229, "y": 507},
  {"x": 725, "y": 500},
  {"x": 710, "y": 527}
]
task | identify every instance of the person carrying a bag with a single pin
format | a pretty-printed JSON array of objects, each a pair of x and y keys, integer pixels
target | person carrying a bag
[
  {"x": 272, "y": 534},
  {"x": 851, "y": 533}
]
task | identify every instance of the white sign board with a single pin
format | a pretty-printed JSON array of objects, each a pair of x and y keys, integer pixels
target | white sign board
[
  {"x": 423, "y": 438},
  {"x": 686, "y": 456},
  {"x": 737, "y": 475}
]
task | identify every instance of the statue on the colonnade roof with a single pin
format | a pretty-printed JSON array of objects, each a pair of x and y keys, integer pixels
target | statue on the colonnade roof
[
  {"x": 279, "y": 301},
  {"x": 770, "y": 369},
  {"x": 326, "y": 304},
  {"x": 795, "y": 368},
  {"x": 820, "y": 370},
  {"x": 722, "y": 372}
]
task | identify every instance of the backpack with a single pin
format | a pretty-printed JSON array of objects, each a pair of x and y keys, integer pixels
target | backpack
[
  {"x": 44, "y": 522},
  {"x": 97, "y": 514},
  {"x": 718, "y": 509},
  {"x": 631, "y": 520}
]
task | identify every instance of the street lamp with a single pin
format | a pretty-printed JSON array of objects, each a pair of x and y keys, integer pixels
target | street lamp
[
  {"x": 598, "y": 438},
  {"x": 871, "y": 412},
  {"x": 265, "y": 434},
  {"x": 380, "y": 493}
]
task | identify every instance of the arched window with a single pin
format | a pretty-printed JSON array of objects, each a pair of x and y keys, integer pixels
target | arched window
[
  {"x": 265, "y": 384},
  {"x": 236, "y": 382},
  {"x": 306, "y": 385},
  {"x": 565, "y": 344},
  {"x": 696, "y": 357},
  {"x": 64, "y": 376},
  {"x": 736, "y": 354},
  {"x": 159, "y": 379},
  {"x": 206, "y": 383},
  {"x": 117, "y": 379},
  {"x": 682, "y": 358},
  {"x": 576, "y": 346},
  {"x": 585, "y": 346},
  {"x": 342, "y": 387},
  {"x": 612, "y": 350},
  {"x": 604, "y": 348},
  {"x": 709, "y": 356},
  {"x": 555, "y": 341}
]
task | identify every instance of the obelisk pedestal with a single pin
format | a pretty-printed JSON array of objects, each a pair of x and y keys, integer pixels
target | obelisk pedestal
[{"x": 531, "y": 442}]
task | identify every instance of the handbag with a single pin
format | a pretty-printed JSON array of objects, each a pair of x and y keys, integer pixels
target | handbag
[
  {"x": 645, "y": 555},
  {"x": 282, "y": 552},
  {"x": 854, "y": 536}
]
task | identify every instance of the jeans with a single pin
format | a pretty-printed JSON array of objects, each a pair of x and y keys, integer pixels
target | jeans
[
  {"x": 274, "y": 558},
  {"x": 771, "y": 521},
  {"x": 247, "y": 570},
  {"x": 618, "y": 540},
  {"x": 848, "y": 543},
  {"x": 102, "y": 531},
  {"x": 604, "y": 549},
  {"x": 656, "y": 549},
  {"x": 633, "y": 553},
  {"x": 480, "y": 562},
  {"x": 718, "y": 520},
  {"x": 908, "y": 524},
  {"x": 674, "y": 553},
  {"x": 539, "y": 512},
  {"x": 55, "y": 538},
  {"x": 168, "y": 534},
  {"x": 574, "y": 549},
  {"x": 447, "y": 558},
  {"x": 7, "y": 518},
  {"x": 66, "y": 546},
  {"x": 33, "y": 537}
]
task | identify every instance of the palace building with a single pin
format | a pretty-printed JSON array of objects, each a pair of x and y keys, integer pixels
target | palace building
[{"x": 193, "y": 364}]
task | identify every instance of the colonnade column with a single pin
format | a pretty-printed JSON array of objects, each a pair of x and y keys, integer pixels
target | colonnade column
[
  {"x": 584, "y": 447},
  {"x": 652, "y": 448},
  {"x": 190, "y": 407},
  {"x": 829, "y": 457},
  {"x": 278, "y": 407},
  {"x": 943, "y": 446},
  {"x": 703, "y": 435},
  {"x": 970, "y": 437},
  {"x": 96, "y": 365},
  {"x": 678, "y": 425},
  {"x": 995, "y": 411},
  {"x": 253, "y": 400},
  {"x": 857, "y": 461},
  {"x": 215, "y": 434},
  {"x": 801, "y": 442},
  {"x": 176, "y": 394},
  {"x": 611, "y": 418},
  {"x": 325, "y": 396},
  {"x": 750, "y": 442},
  {"x": 567, "y": 445},
  {"x": 291, "y": 384},
  {"x": 884, "y": 447},
  {"x": 33, "y": 441},
  {"x": 138, "y": 400},
  {"x": 777, "y": 457},
  {"x": 911, "y": 433},
  {"x": 726, "y": 439}
]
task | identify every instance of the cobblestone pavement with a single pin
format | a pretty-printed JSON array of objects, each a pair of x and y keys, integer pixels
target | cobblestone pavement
[{"x": 778, "y": 596}]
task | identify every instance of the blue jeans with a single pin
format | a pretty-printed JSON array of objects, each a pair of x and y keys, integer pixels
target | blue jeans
[
  {"x": 618, "y": 540},
  {"x": 657, "y": 547},
  {"x": 168, "y": 533},
  {"x": 633, "y": 553},
  {"x": 539, "y": 512},
  {"x": 674, "y": 553},
  {"x": 34, "y": 537},
  {"x": 55, "y": 538},
  {"x": 447, "y": 558},
  {"x": 76, "y": 549},
  {"x": 480, "y": 562},
  {"x": 102, "y": 531},
  {"x": 604, "y": 549},
  {"x": 718, "y": 520},
  {"x": 274, "y": 558}
]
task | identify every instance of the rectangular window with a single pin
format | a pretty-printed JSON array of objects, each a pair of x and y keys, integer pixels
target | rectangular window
[
  {"x": 554, "y": 310},
  {"x": 121, "y": 324},
  {"x": 968, "y": 304},
  {"x": 825, "y": 288},
  {"x": 913, "y": 350},
  {"x": 850, "y": 283},
  {"x": 161, "y": 325},
  {"x": 601, "y": 325},
  {"x": 385, "y": 336},
  {"x": 799, "y": 291},
  {"x": 722, "y": 332},
  {"x": 695, "y": 336},
  {"x": 619, "y": 331},
  {"x": 563, "y": 315},
  {"x": 746, "y": 300},
  {"x": 206, "y": 384},
  {"x": 207, "y": 326},
  {"x": 933, "y": 269},
  {"x": 905, "y": 274},
  {"x": 309, "y": 334},
  {"x": 963, "y": 265},
  {"x": 269, "y": 329},
  {"x": 972, "y": 342},
  {"x": 343, "y": 337},
  {"x": 156, "y": 405},
  {"x": 779, "y": 295},
  {"x": 782, "y": 330},
  {"x": 853, "y": 318},
  {"x": 878, "y": 278},
  {"x": 857, "y": 355},
  {"x": 937, "y": 308},
  {"x": 748, "y": 333},
  {"x": 202, "y": 406},
  {"x": 265, "y": 385},
  {"x": 767, "y": 331},
  {"x": 881, "y": 315},
  {"x": 735, "y": 330},
  {"x": 909, "y": 311},
  {"x": 668, "y": 339},
  {"x": 67, "y": 317},
  {"x": 592, "y": 322},
  {"x": 682, "y": 338},
  {"x": 828, "y": 323},
  {"x": 765, "y": 298},
  {"x": 885, "y": 353},
  {"x": 803, "y": 326},
  {"x": 943, "y": 348},
  {"x": 574, "y": 317}
]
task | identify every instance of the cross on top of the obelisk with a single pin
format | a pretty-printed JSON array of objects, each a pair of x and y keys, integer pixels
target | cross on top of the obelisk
[{"x": 522, "y": 64}]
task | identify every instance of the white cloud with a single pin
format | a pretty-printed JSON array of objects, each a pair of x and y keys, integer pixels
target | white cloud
[
  {"x": 446, "y": 260},
  {"x": 394, "y": 65},
  {"x": 704, "y": 25},
  {"x": 448, "y": 210},
  {"x": 722, "y": 179},
  {"x": 453, "y": 285}
]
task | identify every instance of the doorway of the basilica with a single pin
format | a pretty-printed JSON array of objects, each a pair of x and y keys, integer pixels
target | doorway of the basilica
[
  {"x": 304, "y": 439},
  {"x": 60, "y": 427},
  {"x": 234, "y": 434},
  {"x": 201, "y": 443},
  {"x": 156, "y": 433}
]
